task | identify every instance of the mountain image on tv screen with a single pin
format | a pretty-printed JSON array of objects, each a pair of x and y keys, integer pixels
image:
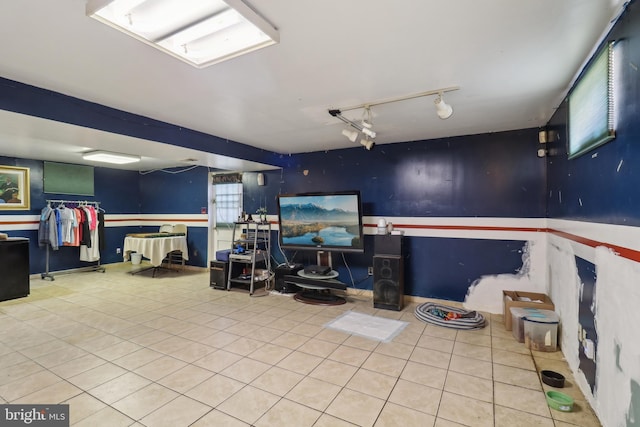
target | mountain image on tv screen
[{"x": 324, "y": 220}]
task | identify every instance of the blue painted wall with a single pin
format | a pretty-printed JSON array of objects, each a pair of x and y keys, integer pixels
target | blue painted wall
[
  {"x": 178, "y": 191},
  {"x": 602, "y": 185},
  {"x": 491, "y": 175}
]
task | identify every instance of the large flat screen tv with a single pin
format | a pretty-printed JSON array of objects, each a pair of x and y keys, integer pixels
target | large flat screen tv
[{"x": 321, "y": 221}]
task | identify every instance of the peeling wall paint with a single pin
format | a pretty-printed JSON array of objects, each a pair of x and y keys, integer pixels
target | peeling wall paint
[
  {"x": 617, "y": 300},
  {"x": 564, "y": 290},
  {"x": 617, "y": 320},
  {"x": 485, "y": 294},
  {"x": 587, "y": 333}
]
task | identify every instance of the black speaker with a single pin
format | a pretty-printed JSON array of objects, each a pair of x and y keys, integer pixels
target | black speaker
[
  {"x": 218, "y": 274},
  {"x": 388, "y": 282},
  {"x": 284, "y": 270}
]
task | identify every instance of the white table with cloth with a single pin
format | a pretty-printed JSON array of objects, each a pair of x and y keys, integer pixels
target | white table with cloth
[{"x": 155, "y": 247}]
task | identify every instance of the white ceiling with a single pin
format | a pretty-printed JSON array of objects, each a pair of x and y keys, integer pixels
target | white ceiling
[{"x": 513, "y": 60}]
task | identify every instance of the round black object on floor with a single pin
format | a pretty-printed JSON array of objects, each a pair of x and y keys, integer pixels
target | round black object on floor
[
  {"x": 552, "y": 378},
  {"x": 318, "y": 297}
]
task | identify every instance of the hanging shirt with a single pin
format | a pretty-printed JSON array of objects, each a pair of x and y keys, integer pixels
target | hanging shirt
[
  {"x": 86, "y": 232},
  {"x": 47, "y": 229},
  {"x": 91, "y": 252},
  {"x": 92, "y": 218},
  {"x": 101, "y": 236},
  {"x": 67, "y": 219},
  {"x": 58, "y": 227}
]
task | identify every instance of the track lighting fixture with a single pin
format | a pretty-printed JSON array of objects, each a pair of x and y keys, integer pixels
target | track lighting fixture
[
  {"x": 367, "y": 143},
  {"x": 367, "y": 123},
  {"x": 365, "y": 127},
  {"x": 352, "y": 135},
  {"x": 443, "y": 110}
]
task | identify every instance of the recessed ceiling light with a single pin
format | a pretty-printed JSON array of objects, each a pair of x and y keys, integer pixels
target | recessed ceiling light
[
  {"x": 201, "y": 33},
  {"x": 109, "y": 157}
]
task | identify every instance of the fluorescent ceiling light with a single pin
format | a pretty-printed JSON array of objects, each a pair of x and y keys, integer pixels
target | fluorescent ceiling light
[
  {"x": 109, "y": 157},
  {"x": 201, "y": 33}
]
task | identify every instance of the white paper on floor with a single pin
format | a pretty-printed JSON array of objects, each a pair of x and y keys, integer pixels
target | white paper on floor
[{"x": 364, "y": 325}]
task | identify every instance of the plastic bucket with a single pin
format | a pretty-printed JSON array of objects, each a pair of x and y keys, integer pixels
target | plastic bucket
[{"x": 136, "y": 258}]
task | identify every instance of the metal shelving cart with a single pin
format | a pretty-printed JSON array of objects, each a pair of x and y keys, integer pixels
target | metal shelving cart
[{"x": 252, "y": 249}]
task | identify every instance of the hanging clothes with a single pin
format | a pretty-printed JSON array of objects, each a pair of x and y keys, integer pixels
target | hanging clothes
[
  {"x": 85, "y": 233},
  {"x": 78, "y": 225},
  {"x": 81, "y": 226},
  {"x": 67, "y": 222},
  {"x": 48, "y": 229},
  {"x": 91, "y": 252},
  {"x": 94, "y": 218},
  {"x": 101, "y": 231},
  {"x": 77, "y": 231},
  {"x": 58, "y": 227}
]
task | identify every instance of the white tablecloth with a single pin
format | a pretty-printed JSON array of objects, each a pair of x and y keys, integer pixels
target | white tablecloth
[{"x": 155, "y": 248}]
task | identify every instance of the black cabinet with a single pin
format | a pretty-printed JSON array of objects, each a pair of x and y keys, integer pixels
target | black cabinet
[
  {"x": 14, "y": 268},
  {"x": 218, "y": 274}
]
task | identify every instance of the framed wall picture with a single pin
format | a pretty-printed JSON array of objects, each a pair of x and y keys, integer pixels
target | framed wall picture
[{"x": 14, "y": 188}]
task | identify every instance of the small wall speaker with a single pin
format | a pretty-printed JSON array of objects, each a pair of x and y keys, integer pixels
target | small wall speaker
[
  {"x": 543, "y": 138},
  {"x": 261, "y": 179}
]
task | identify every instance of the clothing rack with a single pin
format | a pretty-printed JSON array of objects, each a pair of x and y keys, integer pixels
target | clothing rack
[{"x": 47, "y": 274}]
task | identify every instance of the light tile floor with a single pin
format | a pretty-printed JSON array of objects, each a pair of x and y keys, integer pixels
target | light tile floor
[{"x": 127, "y": 350}]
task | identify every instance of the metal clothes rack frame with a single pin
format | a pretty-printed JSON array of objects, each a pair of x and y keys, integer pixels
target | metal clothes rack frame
[{"x": 47, "y": 274}]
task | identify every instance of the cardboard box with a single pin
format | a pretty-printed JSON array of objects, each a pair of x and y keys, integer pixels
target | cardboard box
[{"x": 523, "y": 299}]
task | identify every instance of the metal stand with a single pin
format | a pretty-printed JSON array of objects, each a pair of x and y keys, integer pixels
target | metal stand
[
  {"x": 50, "y": 276},
  {"x": 154, "y": 268},
  {"x": 255, "y": 240}
]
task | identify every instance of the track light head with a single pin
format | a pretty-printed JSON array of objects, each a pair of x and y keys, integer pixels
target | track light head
[
  {"x": 367, "y": 143},
  {"x": 368, "y": 132},
  {"x": 367, "y": 126},
  {"x": 364, "y": 128},
  {"x": 352, "y": 135},
  {"x": 443, "y": 110}
]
